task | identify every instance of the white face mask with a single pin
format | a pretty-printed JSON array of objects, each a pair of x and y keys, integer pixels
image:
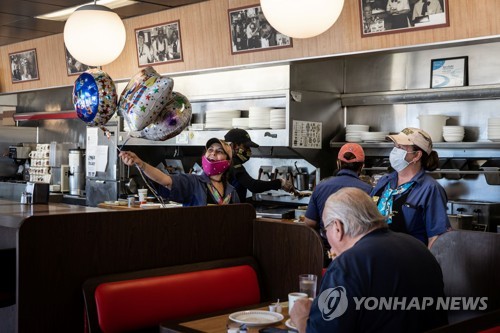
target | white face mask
[{"x": 397, "y": 159}]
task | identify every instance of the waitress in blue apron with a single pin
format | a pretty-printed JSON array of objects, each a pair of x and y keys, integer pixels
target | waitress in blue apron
[{"x": 412, "y": 201}]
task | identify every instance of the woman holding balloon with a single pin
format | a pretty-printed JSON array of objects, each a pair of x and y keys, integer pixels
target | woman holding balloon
[{"x": 211, "y": 187}]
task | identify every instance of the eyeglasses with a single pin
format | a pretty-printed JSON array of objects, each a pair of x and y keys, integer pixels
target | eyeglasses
[
  {"x": 216, "y": 151},
  {"x": 323, "y": 230}
]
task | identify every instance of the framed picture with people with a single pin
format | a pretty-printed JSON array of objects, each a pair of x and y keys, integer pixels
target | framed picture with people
[
  {"x": 250, "y": 31},
  {"x": 159, "y": 44},
  {"x": 24, "y": 66},
  {"x": 73, "y": 66},
  {"x": 380, "y": 17}
]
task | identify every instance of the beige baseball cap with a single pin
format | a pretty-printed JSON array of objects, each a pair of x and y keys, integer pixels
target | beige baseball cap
[{"x": 412, "y": 136}]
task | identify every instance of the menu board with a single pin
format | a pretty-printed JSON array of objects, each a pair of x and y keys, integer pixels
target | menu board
[{"x": 306, "y": 134}]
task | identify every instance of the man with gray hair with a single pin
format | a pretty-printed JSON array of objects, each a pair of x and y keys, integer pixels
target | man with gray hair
[{"x": 379, "y": 280}]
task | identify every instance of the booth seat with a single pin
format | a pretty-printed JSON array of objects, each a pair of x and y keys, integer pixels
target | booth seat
[
  {"x": 141, "y": 300},
  {"x": 7, "y": 277},
  {"x": 470, "y": 264}
]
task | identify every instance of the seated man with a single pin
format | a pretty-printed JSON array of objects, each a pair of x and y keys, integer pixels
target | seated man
[{"x": 379, "y": 280}]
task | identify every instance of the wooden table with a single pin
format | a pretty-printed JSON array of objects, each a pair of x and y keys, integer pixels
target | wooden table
[{"x": 217, "y": 323}]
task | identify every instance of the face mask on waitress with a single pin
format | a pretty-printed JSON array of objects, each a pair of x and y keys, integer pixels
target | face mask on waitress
[
  {"x": 397, "y": 159},
  {"x": 212, "y": 168}
]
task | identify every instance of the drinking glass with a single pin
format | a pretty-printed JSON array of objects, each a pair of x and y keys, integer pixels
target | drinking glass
[{"x": 307, "y": 284}]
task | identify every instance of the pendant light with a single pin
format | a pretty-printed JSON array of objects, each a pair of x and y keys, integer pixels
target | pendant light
[
  {"x": 302, "y": 19},
  {"x": 94, "y": 35}
]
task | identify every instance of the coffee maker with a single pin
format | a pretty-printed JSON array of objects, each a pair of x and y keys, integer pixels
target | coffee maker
[
  {"x": 76, "y": 171},
  {"x": 20, "y": 155}
]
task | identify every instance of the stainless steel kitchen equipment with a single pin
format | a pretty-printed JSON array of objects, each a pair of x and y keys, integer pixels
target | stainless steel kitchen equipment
[
  {"x": 77, "y": 172},
  {"x": 485, "y": 215},
  {"x": 106, "y": 185}
]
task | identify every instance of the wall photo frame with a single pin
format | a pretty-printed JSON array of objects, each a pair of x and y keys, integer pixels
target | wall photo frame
[
  {"x": 24, "y": 66},
  {"x": 449, "y": 72},
  {"x": 250, "y": 31},
  {"x": 380, "y": 17},
  {"x": 73, "y": 66},
  {"x": 159, "y": 44}
]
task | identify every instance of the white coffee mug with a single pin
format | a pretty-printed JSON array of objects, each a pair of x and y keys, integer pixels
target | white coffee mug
[{"x": 292, "y": 297}]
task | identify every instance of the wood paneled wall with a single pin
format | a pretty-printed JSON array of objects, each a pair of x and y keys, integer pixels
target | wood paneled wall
[{"x": 206, "y": 41}]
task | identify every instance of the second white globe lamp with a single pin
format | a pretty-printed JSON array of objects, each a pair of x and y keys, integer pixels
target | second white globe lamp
[{"x": 302, "y": 19}]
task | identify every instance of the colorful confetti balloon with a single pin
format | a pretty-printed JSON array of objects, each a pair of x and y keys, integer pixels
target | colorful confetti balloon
[
  {"x": 173, "y": 119},
  {"x": 144, "y": 98},
  {"x": 94, "y": 97}
]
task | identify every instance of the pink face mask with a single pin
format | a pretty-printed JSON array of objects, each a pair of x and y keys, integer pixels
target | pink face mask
[{"x": 215, "y": 167}]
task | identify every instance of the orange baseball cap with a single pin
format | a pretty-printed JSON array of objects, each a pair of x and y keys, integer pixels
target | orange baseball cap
[{"x": 353, "y": 148}]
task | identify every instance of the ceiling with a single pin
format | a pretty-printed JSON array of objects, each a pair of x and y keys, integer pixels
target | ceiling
[{"x": 18, "y": 22}]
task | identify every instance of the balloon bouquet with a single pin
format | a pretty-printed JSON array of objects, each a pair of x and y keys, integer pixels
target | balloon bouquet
[{"x": 148, "y": 104}]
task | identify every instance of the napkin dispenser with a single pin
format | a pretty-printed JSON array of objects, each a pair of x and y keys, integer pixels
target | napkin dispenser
[{"x": 39, "y": 192}]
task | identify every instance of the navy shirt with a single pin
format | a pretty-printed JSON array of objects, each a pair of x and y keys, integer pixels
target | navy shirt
[
  {"x": 344, "y": 178},
  {"x": 424, "y": 211},
  {"x": 381, "y": 264},
  {"x": 192, "y": 190}
]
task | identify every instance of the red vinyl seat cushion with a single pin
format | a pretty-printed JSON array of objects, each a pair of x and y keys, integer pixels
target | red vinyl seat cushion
[{"x": 145, "y": 302}]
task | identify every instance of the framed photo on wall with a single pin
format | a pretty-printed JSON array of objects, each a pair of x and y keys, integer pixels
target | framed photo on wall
[
  {"x": 73, "y": 66},
  {"x": 389, "y": 16},
  {"x": 251, "y": 32},
  {"x": 24, "y": 66},
  {"x": 449, "y": 72},
  {"x": 158, "y": 44}
]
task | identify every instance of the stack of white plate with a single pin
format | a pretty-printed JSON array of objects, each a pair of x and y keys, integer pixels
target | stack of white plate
[
  {"x": 373, "y": 136},
  {"x": 494, "y": 129},
  {"x": 220, "y": 119},
  {"x": 453, "y": 133},
  {"x": 277, "y": 119},
  {"x": 259, "y": 117},
  {"x": 353, "y": 132},
  {"x": 240, "y": 123}
]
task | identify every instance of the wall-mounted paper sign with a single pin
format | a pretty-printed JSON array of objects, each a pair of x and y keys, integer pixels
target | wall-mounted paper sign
[{"x": 449, "y": 72}]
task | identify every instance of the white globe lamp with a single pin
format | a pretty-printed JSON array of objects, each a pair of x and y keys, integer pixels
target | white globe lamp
[
  {"x": 94, "y": 35},
  {"x": 301, "y": 19}
]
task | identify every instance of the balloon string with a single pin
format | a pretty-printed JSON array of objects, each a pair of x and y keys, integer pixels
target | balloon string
[
  {"x": 146, "y": 181},
  {"x": 107, "y": 133}
]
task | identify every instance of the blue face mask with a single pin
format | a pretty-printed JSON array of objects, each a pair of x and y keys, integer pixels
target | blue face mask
[{"x": 397, "y": 159}]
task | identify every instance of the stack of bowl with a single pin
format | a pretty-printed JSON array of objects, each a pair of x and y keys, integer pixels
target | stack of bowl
[
  {"x": 353, "y": 132},
  {"x": 494, "y": 129},
  {"x": 453, "y": 133}
]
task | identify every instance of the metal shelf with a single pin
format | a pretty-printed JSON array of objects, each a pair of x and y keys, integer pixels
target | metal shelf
[
  {"x": 437, "y": 145},
  {"x": 452, "y": 94}
]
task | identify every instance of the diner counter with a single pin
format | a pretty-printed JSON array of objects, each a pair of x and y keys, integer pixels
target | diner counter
[{"x": 12, "y": 213}]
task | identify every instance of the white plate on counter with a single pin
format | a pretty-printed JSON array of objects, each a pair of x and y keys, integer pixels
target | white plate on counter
[{"x": 256, "y": 317}]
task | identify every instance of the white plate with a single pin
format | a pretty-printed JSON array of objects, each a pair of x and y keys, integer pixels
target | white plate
[
  {"x": 256, "y": 317},
  {"x": 289, "y": 324}
]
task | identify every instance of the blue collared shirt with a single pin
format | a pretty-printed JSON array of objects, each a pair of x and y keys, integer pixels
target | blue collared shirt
[
  {"x": 191, "y": 190},
  {"x": 424, "y": 211},
  {"x": 344, "y": 178}
]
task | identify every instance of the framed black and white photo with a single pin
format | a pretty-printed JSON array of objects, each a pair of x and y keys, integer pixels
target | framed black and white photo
[
  {"x": 73, "y": 66},
  {"x": 24, "y": 66},
  {"x": 449, "y": 72},
  {"x": 389, "y": 16},
  {"x": 251, "y": 32},
  {"x": 158, "y": 44}
]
